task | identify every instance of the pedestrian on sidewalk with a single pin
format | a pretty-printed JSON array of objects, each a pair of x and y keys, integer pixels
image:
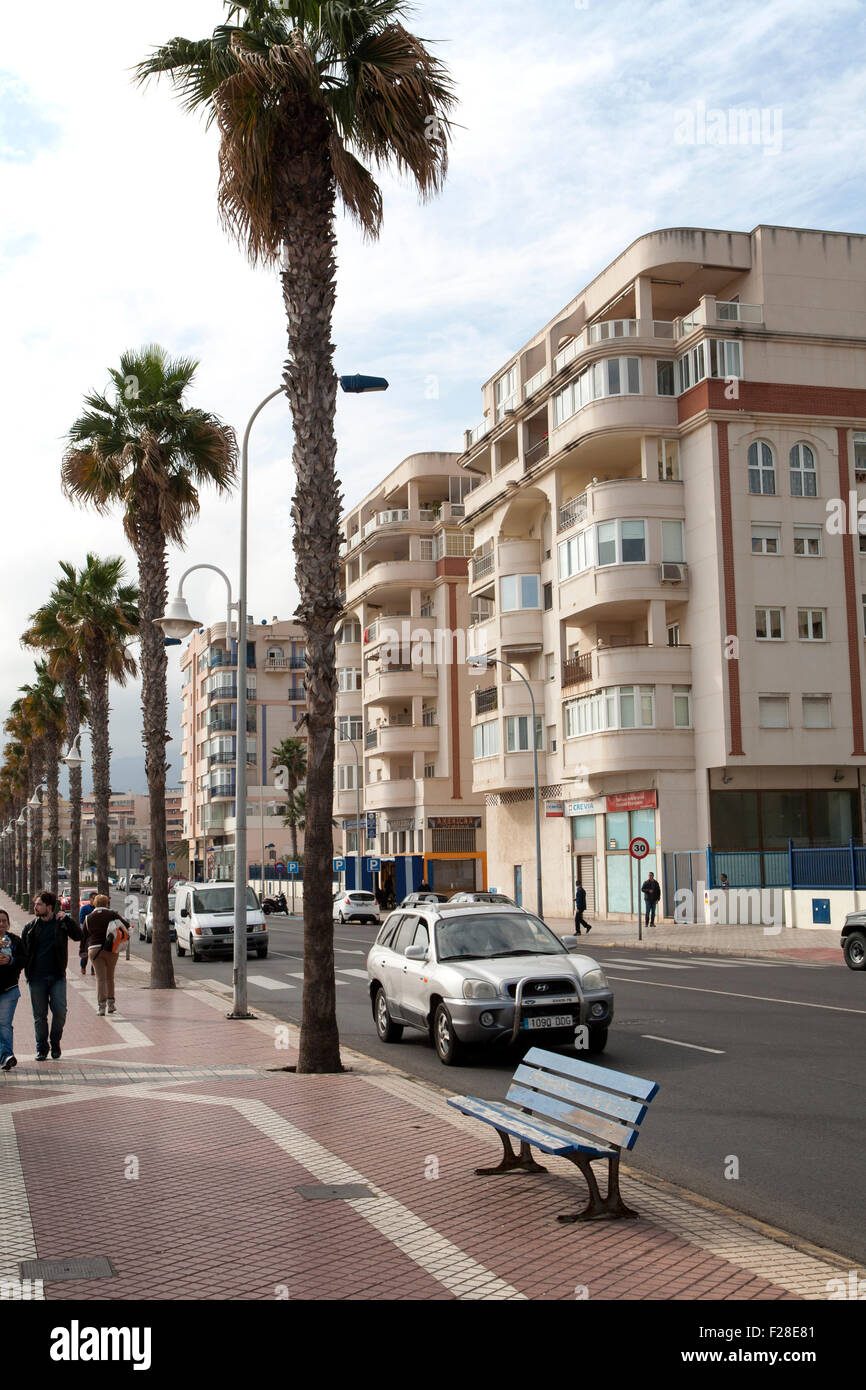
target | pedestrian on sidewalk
[
  {"x": 10, "y": 969},
  {"x": 84, "y": 913},
  {"x": 651, "y": 894},
  {"x": 44, "y": 952},
  {"x": 580, "y": 909},
  {"x": 103, "y": 960}
]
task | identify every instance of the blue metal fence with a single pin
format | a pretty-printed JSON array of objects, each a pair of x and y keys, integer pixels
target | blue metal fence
[{"x": 837, "y": 866}]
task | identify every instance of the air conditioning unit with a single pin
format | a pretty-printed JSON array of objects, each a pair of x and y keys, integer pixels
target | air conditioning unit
[{"x": 670, "y": 573}]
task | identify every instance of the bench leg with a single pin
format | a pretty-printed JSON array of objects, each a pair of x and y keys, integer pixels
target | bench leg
[
  {"x": 612, "y": 1205},
  {"x": 522, "y": 1162}
]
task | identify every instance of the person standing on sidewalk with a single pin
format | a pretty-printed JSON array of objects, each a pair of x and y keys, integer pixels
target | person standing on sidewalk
[
  {"x": 10, "y": 969},
  {"x": 44, "y": 952},
  {"x": 580, "y": 909},
  {"x": 103, "y": 961},
  {"x": 651, "y": 894},
  {"x": 83, "y": 915}
]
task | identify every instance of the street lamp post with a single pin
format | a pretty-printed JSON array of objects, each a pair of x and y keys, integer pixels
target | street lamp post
[{"x": 481, "y": 663}]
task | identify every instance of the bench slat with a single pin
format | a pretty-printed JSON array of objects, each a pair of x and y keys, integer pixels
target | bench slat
[
  {"x": 589, "y": 1126},
  {"x": 548, "y": 1140},
  {"x": 616, "y": 1107},
  {"x": 626, "y": 1085}
]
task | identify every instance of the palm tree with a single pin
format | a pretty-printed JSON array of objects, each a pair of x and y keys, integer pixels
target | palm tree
[
  {"x": 291, "y": 753},
  {"x": 45, "y": 703},
  {"x": 305, "y": 95},
  {"x": 20, "y": 725},
  {"x": 147, "y": 450},
  {"x": 99, "y": 612},
  {"x": 47, "y": 634}
]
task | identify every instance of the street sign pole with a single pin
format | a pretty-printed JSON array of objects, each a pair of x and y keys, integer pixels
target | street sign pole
[{"x": 638, "y": 848}]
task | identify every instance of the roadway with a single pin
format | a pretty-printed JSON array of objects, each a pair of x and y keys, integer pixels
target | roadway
[{"x": 762, "y": 1101}]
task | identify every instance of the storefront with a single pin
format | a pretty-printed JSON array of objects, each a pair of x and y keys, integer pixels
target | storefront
[
  {"x": 453, "y": 863},
  {"x": 584, "y": 836},
  {"x": 626, "y": 815}
]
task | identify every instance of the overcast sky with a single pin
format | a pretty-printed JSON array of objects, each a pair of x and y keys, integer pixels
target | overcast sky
[{"x": 575, "y": 139}]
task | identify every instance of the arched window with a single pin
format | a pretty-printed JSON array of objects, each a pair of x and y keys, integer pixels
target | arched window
[
  {"x": 762, "y": 469},
  {"x": 275, "y": 652},
  {"x": 804, "y": 474}
]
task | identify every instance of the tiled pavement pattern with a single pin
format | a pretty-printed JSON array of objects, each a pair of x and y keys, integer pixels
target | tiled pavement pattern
[{"x": 164, "y": 1142}]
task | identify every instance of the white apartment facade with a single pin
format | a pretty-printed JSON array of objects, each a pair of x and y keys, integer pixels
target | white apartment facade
[
  {"x": 403, "y": 685},
  {"x": 209, "y": 743},
  {"x": 654, "y": 549}
]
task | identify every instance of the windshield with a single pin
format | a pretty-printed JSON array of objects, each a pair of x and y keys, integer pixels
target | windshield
[
  {"x": 220, "y": 899},
  {"x": 493, "y": 935}
]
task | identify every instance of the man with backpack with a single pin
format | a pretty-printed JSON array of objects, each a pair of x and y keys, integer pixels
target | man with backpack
[
  {"x": 44, "y": 951},
  {"x": 103, "y": 941}
]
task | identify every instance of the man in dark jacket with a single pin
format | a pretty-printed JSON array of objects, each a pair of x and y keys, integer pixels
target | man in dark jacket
[
  {"x": 580, "y": 909},
  {"x": 10, "y": 969},
  {"x": 44, "y": 950},
  {"x": 651, "y": 894}
]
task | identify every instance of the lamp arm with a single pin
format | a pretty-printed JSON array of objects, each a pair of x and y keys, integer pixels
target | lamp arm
[{"x": 230, "y": 605}]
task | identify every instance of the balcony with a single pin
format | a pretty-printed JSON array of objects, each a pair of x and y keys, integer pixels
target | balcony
[
  {"x": 536, "y": 381},
  {"x": 400, "y": 683},
  {"x": 391, "y": 574},
  {"x": 627, "y": 750},
  {"x": 486, "y": 699},
  {"x": 536, "y": 453},
  {"x": 384, "y": 795},
  {"x": 577, "y": 669},
  {"x": 471, "y": 437},
  {"x": 228, "y": 692},
  {"x": 595, "y": 333},
  {"x": 521, "y": 630},
  {"x": 398, "y": 737},
  {"x": 225, "y": 790},
  {"x": 594, "y": 589},
  {"x": 731, "y": 311},
  {"x": 371, "y": 738},
  {"x": 219, "y": 658},
  {"x": 572, "y": 512},
  {"x": 482, "y": 565}
]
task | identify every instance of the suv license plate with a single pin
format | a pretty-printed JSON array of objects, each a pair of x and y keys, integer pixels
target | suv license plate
[{"x": 550, "y": 1021}]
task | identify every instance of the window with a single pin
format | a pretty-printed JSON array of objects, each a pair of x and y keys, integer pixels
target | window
[
  {"x": 505, "y": 392},
  {"x": 551, "y": 738},
  {"x": 773, "y": 711},
  {"x": 520, "y": 591},
  {"x": 859, "y": 451},
  {"x": 816, "y": 711},
  {"x": 348, "y": 678},
  {"x": 551, "y": 666},
  {"x": 486, "y": 739},
  {"x": 350, "y": 631},
  {"x": 762, "y": 469},
  {"x": 682, "y": 707},
  {"x": 807, "y": 540},
  {"x": 767, "y": 540},
  {"x": 673, "y": 634},
  {"x": 621, "y": 542},
  {"x": 349, "y": 727},
  {"x": 812, "y": 624},
  {"x": 804, "y": 476},
  {"x": 669, "y": 460},
  {"x": 769, "y": 626},
  {"x": 347, "y": 777},
  {"x": 548, "y": 597},
  {"x": 517, "y": 733},
  {"x": 633, "y": 535},
  {"x": 717, "y": 357},
  {"x": 618, "y": 707},
  {"x": 429, "y": 769},
  {"x": 672, "y": 541},
  {"x": 576, "y": 554},
  {"x": 614, "y": 376},
  {"x": 665, "y": 378}
]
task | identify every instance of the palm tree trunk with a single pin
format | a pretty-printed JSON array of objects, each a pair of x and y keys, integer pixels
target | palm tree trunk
[
  {"x": 293, "y": 811},
  {"x": 22, "y": 856},
  {"x": 97, "y": 689},
  {"x": 72, "y": 706},
  {"x": 311, "y": 386},
  {"x": 52, "y": 772},
  {"x": 152, "y": 599}
]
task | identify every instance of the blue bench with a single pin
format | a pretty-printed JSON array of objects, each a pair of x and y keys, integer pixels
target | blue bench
[{"x": 572, "y": 1109}]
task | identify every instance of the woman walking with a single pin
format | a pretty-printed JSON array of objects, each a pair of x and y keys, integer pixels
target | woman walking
[
  {"x": 10, "y": 969},
  {"x": 97, "y": 926}
]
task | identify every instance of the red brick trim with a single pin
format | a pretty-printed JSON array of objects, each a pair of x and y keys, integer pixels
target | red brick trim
[
  {"x": 773, "y": 398},
  {"x": 730, "y": 591},
  {"x": 851, "y": 604},
  {"x": 454, "y": 677}
]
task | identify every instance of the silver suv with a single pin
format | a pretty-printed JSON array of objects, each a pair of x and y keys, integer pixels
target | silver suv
[{"x": 478, "y": 973}]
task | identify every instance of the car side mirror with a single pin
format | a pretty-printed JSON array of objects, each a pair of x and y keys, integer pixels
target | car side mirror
[
  {"x": 570, "y": 942},
  {"x": 184, "y": 912},
  {"x": 416, "y": 952}
]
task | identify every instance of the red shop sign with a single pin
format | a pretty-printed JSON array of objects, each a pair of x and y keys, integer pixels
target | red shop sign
[{"x": 632, "y": 801}]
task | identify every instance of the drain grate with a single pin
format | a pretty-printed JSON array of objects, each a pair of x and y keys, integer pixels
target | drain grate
[
  {"x": 54, "y": 1270},
  {"x": 336, "y": 1192}
]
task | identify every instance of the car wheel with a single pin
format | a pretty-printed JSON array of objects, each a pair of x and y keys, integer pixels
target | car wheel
[
  {"x": 140, "y": 934},
  {"x": 341, "y": 919},
  {"x": 150, "y": 937},
  {"x": 854, "y": 951},
  {"x": 181, "y": 950},
  {"x": 262, "y": 952},
  {"x": 449, "y": 1049},
  {"x": 193, "y": 953},
  {"x": 388, "y": 1031},
  {"x": 597, "y": 1041}
]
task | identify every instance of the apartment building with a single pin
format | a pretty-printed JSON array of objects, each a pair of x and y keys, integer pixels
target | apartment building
[
  {"x": 128, "y": 820},
  {"x": 666, "y": 547},
  {"x": 209, "y": 742},
  {"x": 403, "y": 685}
]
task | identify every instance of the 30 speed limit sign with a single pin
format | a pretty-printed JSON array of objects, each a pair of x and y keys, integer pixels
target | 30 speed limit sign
[{"x": 638, "y": 847}]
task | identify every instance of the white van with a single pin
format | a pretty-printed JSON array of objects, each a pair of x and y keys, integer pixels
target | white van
[{"x": 204, "y": 917}]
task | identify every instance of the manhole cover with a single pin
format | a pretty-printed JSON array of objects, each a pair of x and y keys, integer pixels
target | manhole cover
[
  {"x": 335, "y": 1192},
  {"x": 96, "y": 1268}
]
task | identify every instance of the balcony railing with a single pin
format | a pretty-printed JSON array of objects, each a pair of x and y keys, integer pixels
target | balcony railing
[
  {"x": 276, "y": 663},
  {"x": 536, "y": 453},
  {"x": 482, "y": 565},
  {"x": 663, "y": 328},
  {"x": 537, "y": 380},
  {"x": 219, "y": 658},
  {"x": 595, "y": 333},
  {"x": 572, "y": 512},
  {"x": 731, "y": 311},
  {"x": 577, "y": 670},
  {"x": 479, "y": 431},
  {"x": 428, "y": 718},
  {"x": 486, "y": 699},
  {"x": 371, "y": 738}
]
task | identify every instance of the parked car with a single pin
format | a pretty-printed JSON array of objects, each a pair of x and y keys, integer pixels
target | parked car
[
  {"x": 64, "y": 902},
  {"x": 412, "y": 899},
  {"x": 135, "y": 883},
  {"x": 482, "y": 897},
  {"x": 145, "y": 921},
  {"x": 147, "y": 885},
  {"x": 854, "y": 940},
  {"x": 204, "y": 920},
  {"x": 356, "y": 906},
  {"x": 487, "y": 974}
]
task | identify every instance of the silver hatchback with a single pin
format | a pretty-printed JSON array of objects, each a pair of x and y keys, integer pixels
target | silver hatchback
[{"x": 484, "y": 974}]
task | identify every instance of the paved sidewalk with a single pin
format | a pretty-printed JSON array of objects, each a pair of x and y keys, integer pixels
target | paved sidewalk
[
  {"x": 171, "y": 1142},
  {"x": 801, "y": 943}
]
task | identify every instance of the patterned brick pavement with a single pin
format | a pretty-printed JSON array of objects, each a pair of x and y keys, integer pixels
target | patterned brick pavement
[{"x": 167, "y": 1140}]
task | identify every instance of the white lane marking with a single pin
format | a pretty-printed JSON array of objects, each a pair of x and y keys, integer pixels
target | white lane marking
[
  {"x": 759, "y": 998},
  {"x": 660, "y": 965},
  {"x": 295, "y": 974},
  {"x": 620, "y": 965},
  {"x": 265, "y": 982},
  {"x": 676, "y": 1043},
  {"x": 222, "y": 985},
  {"x": 357, "y": 974},
  {"x": 344, "y": 951}
]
